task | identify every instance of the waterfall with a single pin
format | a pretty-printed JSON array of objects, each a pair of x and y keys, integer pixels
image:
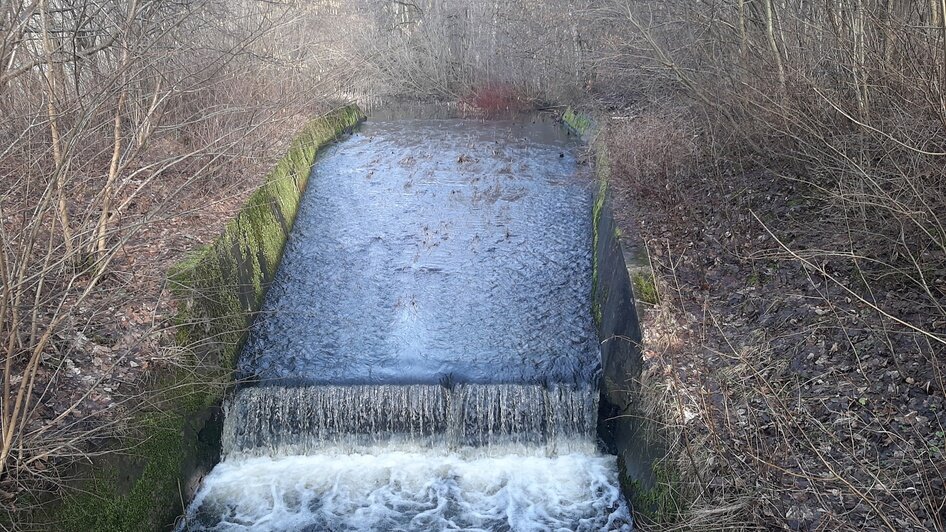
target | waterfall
[
  {"x": 274, "y": 421},
  {"x": 411, "y": 457}
]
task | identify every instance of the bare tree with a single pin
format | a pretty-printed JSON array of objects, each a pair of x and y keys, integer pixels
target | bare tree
[{"x": 115, "y": 112}]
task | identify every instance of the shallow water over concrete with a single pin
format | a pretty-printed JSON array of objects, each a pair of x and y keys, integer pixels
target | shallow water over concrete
[
  {"x": 426, "y": 356},
  {"x": 436, "y": 250}
]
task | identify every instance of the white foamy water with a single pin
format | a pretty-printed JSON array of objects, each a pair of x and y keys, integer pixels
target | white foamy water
[{"x": 401, "y": 490}]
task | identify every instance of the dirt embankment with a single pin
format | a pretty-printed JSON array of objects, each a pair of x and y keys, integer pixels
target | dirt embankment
[{"x": 795, "y": 395}]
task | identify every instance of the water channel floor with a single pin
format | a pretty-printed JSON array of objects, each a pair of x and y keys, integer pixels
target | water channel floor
[
  {"x": 434, "y": 249},
  {"x": 426, "y": 357}
]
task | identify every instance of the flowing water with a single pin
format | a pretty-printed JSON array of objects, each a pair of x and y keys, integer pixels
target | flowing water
[
  {"x": 303, "y": 420},
  {"x": 426, "y": 357}
]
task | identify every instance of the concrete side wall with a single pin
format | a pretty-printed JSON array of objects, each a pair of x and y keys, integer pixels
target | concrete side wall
[
  {"x": 219, "y": 289},
  {"x": 620, "y": 426},
  {"x": 223, "y": 285}
]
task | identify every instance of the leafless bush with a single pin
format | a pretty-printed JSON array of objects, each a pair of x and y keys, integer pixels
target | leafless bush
[
  {"x": 841, "y": 95},
  {"x": 117, "y": 117},
  {"x": 446, "y": 49},
  {"x": 821, "y": 144},
  {"x": 655, "y": 152}
]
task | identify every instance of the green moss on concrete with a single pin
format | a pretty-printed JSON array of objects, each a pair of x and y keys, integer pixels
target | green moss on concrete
[
  {"x": 99, "y": 508},
  {"x": 582, "y": 124},
  {"x": 219, "y": 288},
  {"x": 603, "y": 170},
  {"x": 644, "y": 287},
  {"x": 660, "y": 505},
  {"x": 140, "y": 486},
  {"x": 226, "y": 284},
  {"x": 577, "y": 122}
]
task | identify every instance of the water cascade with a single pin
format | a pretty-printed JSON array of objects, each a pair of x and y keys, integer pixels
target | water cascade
[
  {"x": 426, "y": 357},
  {"x": 275, "y": 421}
]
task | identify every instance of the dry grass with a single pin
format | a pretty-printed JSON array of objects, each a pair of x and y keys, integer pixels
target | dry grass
[
  {"x": 116, "y": 162},
  {"x": 790, "y": 394},
  {"x": 804, "y": 247}
]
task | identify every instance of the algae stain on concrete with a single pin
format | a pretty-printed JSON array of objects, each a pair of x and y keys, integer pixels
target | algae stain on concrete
[
  {"x": 578, "y": 122},
  {"x": 650, "y": 486}
]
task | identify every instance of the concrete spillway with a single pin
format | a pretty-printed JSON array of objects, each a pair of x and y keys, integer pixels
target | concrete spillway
[{"x": 426, "y": 358}]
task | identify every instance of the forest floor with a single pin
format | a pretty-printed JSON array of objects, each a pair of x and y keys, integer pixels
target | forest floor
[
  {"x": 102, "y": 359},
  {"x": 790, "y": 403}
]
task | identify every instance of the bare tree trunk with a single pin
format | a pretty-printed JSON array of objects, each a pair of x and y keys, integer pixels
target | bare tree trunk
[
  {"x": 54, "y": 131},
  {"x": 942, "y": 22},
  {"x": 102, "y": 229},
  {"x": 492, "y": 39},
  {"x": 146, "y": 124},
  {"x": 859, "y": 29},
  {"x": 890, "y": 36},
  {"x": 837, "y": 18},
  {"x": 773, "y": 43},
  {"x": 741, "y": 25},
  {"x": 576, "y": 45}
]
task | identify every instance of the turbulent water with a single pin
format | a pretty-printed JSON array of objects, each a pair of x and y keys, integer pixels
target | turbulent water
[
  {"x": 390, "y": 490},
  {"x": 426, "y": 358}
]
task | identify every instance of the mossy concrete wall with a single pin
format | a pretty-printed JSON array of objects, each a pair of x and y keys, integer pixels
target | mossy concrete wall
[
  {"x": 579, "y": 123},
  {"x": 222, "y": 286},
  {"x": 219, "y": 289},
  {"x": 621, "y": 427}
]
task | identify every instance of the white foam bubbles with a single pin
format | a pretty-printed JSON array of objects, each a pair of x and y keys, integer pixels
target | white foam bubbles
[{"x": 407, "y": 490}]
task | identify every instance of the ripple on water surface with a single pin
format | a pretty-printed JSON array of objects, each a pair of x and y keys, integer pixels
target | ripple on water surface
[{"x": 427, "y": 250}]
